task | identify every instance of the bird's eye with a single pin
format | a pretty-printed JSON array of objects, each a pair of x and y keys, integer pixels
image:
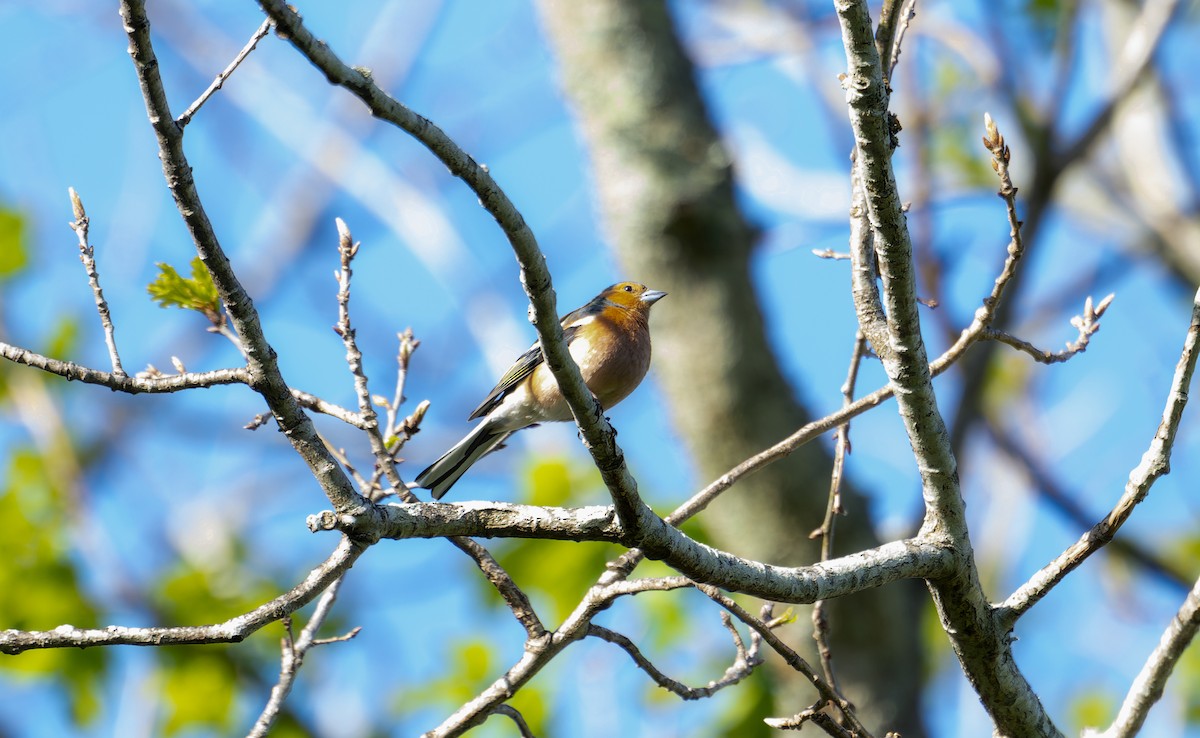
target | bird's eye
[{"x": 629, "y": 288}]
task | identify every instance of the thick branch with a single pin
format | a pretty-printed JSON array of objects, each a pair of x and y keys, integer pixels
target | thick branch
[
  {"x": 966, "y": 615},
  {"x": 835, "y": 578}
]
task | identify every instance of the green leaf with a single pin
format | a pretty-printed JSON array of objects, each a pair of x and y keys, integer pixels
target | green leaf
[
  {"x": 170, "y": 289},
  {"x": 13, "y": 252}
]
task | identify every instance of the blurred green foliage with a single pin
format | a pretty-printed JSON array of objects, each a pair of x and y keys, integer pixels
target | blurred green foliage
[
  {"x": 1090, "y": 707},
  {"x": 39, "y": 585},
  {"x": 198, "y": 687},
  {"x": 14, "y": 254}
]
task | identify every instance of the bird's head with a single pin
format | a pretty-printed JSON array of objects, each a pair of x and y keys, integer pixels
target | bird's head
[{"x": 632, "y": 296}]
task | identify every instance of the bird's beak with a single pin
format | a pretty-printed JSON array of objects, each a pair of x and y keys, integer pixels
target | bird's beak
[{"x": 652, "y": 296}]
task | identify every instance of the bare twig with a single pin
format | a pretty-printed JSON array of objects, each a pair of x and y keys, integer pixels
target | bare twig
[
  {"x": 1087, "y": 325},
  {"x": 408, "y": 344},
  {"x": 834, "y": 507},
  {"x": 744, "y": 663},
  {"x": 518, "y": 719},
  {"x": 908, "y": 11},
  {"x": 894, "y": 19},
  {"x": 814, "y": 715},
  {"x": 397, "y": 432},
  {"x": 151, "y": 383},
  {"x": 312, "y": 402},
  {"x": 1155, "y": 463},
  {"x": 187, "y": 115},
  {"x": 765, "y": 628},
  {"x": 230, "y": 631},
  {"x": 831, "y": 254},
  {"x": 87, "y": 255},
  {"x": 294, "y": 651},
  {"x": 516, "y": 599}
]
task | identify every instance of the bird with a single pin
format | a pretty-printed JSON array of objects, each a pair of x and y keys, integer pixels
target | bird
[{"x": 609, "y": 338}]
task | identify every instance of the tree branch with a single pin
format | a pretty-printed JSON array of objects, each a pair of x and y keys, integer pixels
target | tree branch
[
  {"x": 1148, "y": 686},
  {"x": 982, "y": 648},
  {"x": 187, "y": 115},
  {"x": 87, "y": 255},
  {"x": 913, "y": 558},
  {"x": 292, "y": 659},
  {"x": 743, "y": 664},
  {"x": 123, "y": 382},
  {"x": 829, "y": 694},
  {"x": 233, "y": 630}
]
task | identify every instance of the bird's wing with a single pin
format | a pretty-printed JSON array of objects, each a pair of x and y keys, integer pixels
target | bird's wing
[{"x": 517, "y": 373}]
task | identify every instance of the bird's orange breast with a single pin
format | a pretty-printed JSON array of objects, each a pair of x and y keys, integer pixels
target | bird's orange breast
[{"x": 613, "y": 357}]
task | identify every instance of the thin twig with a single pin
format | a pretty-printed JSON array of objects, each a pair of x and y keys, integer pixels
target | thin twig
[
  {"x": 396, "y": 433},
  {"x": 744, "y": 663},
  {"x": 826, "y": 690},
  {"x": 517, "y": 601},
  {"x": 1087, "y": 325},
  {"x": 1155, "y": 463},
  {"x": 518, "y": 719},
  {"x": 87, "y": 255},
  {"x": 312, "y": 402},
  {"x": 834, "y": 507},
  {"x": 187, "y": 115},
  {"x": 831, "y": 254},
  {"x": 154, "y": 382},
  {"x": 894, "y": 19},
  {"x": 293, "y": 655},
  {"x": 407, "y": 345},
  {"x": 907, "y": 13}
]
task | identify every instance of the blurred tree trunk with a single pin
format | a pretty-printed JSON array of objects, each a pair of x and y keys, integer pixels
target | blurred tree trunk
[{"x": 665, "y": 183}]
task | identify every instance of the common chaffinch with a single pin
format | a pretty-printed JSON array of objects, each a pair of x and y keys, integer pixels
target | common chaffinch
[{"x": 609, "y": 338}]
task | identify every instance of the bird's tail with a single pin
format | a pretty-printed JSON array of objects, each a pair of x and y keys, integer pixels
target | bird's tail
[{"x": 443, "y": 473}]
